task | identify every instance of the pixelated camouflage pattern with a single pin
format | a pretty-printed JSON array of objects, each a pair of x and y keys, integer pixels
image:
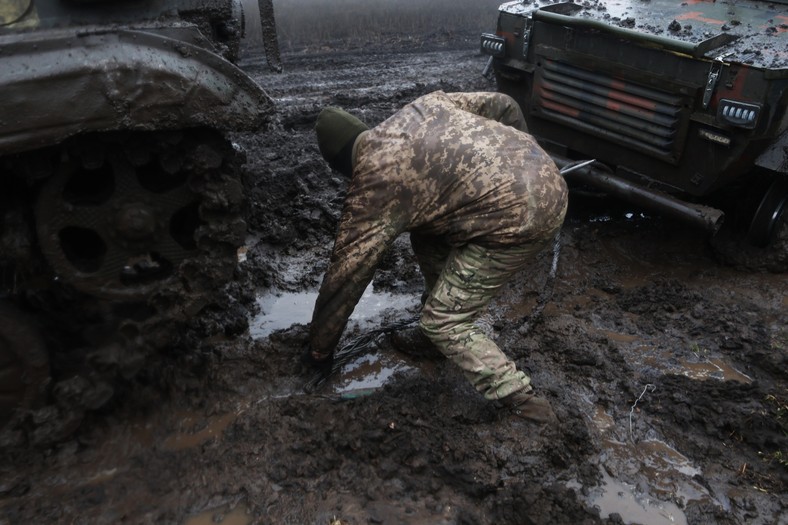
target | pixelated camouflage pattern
[
  {"x": 468, "y": 277},
  {"x": 456, "y": 166}
]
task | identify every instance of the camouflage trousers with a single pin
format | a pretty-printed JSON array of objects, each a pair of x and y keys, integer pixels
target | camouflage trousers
[{"x": 460, "y": 283}]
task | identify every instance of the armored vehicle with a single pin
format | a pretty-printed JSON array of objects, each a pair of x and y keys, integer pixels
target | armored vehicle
[
  {"x": 683, "y": 104},
  {"x": 120, "y": 197}
]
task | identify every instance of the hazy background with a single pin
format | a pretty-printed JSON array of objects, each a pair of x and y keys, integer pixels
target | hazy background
[{"x": 315, "y": 25}]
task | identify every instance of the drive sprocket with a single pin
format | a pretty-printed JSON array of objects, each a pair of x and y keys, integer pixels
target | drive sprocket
[
  {"x": 141, "y": 230},
  {"x": 121, "y": 213}
]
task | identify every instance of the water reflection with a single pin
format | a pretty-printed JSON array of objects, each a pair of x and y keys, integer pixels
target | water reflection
[{"x": 282, "y": 310}]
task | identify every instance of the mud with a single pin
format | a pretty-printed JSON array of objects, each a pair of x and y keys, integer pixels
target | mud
[
  {"x": 753, "y": 28},
  {"x": 666, "y": 368}
]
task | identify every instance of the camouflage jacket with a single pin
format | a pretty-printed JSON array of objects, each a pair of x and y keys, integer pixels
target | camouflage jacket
[{"x": 458, "y": 166}]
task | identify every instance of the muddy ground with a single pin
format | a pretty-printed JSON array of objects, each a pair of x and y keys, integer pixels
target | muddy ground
[{"x": 666, "y": 368}]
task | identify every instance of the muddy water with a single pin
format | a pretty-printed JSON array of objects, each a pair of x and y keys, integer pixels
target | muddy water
[
  {"x": 224, "y": 515},
  {"x": 367, "y": 372},
  {"x": 698, "y": 365},
  {"x": 713, "y": 368},
  {"x": 197, "y": 430},
  {"x": 616, "y": 497},
  {"x": 643, "y": 478},
  {"x": 279, "y": 310},
  {"x": 640, "y": 480},
  {"x": 665, "y": 474},
  {"x": 661, "y": 476}
]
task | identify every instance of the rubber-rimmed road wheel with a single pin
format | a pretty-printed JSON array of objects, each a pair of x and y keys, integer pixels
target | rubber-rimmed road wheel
[{"x": 116, "y": 228}]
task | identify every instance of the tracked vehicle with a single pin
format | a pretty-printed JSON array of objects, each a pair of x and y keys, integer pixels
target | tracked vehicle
[
  {"x": 684, "y": 105},
  {"x": 120, "y": 197}
]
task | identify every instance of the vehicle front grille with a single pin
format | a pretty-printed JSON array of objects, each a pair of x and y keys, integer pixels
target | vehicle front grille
[{"x": 622, "y": 112}]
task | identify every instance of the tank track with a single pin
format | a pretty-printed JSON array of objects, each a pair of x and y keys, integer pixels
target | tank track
[{"x": 97, "y": 342}]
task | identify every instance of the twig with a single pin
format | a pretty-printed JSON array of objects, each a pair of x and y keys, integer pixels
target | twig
[{"x": 632, "y": 410}]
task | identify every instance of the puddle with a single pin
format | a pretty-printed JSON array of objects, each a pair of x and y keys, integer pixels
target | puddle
[
  {"x": 642, "y": 355},
  {"x": 209, "y": 428},
  {"x": 282, "y": 310},
  {"x": 222, "y": 516},
  {"x": 652, "y": 455},
  {"x": 369, "y": 372},
  {"x": 602, "y": 419},
  {"x": 656, "y": 460},
  {"x": 714, "y": 368},
  {"x": 665, "y": 360},
  {"x": 663, "y": 476},
  {"x": 661, "y": 457},
  {"x": 616, "y": 497}
]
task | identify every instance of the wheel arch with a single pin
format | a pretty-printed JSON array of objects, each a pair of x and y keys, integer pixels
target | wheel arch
[
  {"x": 775, "y": 157},
  {"x": 62, "y": 83}
]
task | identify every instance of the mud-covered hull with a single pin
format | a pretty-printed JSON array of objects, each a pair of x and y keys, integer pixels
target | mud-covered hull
[
  {"x": 62, "y": 83},
  {"x": 678, "y": 112},
  {"x": 121, "y": 200}
]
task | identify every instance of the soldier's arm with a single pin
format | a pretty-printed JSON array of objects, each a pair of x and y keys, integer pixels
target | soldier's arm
[
  {"x": 358, "y": 250},
  {"x": 496, "y": 106}
]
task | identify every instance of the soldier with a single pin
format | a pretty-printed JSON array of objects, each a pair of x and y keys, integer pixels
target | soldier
[{"x": 479, "y": 198}]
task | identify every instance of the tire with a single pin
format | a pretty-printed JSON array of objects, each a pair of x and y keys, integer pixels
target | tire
[{"x": 733, "y": 249}]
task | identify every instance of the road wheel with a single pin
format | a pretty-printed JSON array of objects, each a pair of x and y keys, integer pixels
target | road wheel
[{"x": 141, "y": 231}]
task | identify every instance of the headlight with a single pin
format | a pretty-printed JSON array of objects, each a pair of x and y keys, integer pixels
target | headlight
[
  {"x": 493, "y": 45},
  {"x": 739, "y": 114}
]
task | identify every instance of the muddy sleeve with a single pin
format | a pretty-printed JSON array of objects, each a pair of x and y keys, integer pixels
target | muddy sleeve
[
  {"x": 496, "y": 106},
  {"x": 358, "y": 250}
]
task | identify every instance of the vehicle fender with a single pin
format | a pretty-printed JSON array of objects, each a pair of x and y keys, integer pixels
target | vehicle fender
[
  {"x": 56, "y": 84},
  {"x": 775, "y": 157}
]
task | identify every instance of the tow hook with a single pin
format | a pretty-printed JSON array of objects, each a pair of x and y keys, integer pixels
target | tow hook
[{"x": 487, "y": 72}]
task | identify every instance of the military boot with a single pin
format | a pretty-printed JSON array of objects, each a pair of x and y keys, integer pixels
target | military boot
[
  {"x": 412, "y": 342},
  {"x": 526, "y": 405}
]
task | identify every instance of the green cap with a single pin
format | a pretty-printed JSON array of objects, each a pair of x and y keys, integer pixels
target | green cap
[{"x": 335, "y": 128}]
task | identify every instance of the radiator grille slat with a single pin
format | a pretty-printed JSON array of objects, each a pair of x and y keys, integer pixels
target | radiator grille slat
[{"x": 633, "y": 115}]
